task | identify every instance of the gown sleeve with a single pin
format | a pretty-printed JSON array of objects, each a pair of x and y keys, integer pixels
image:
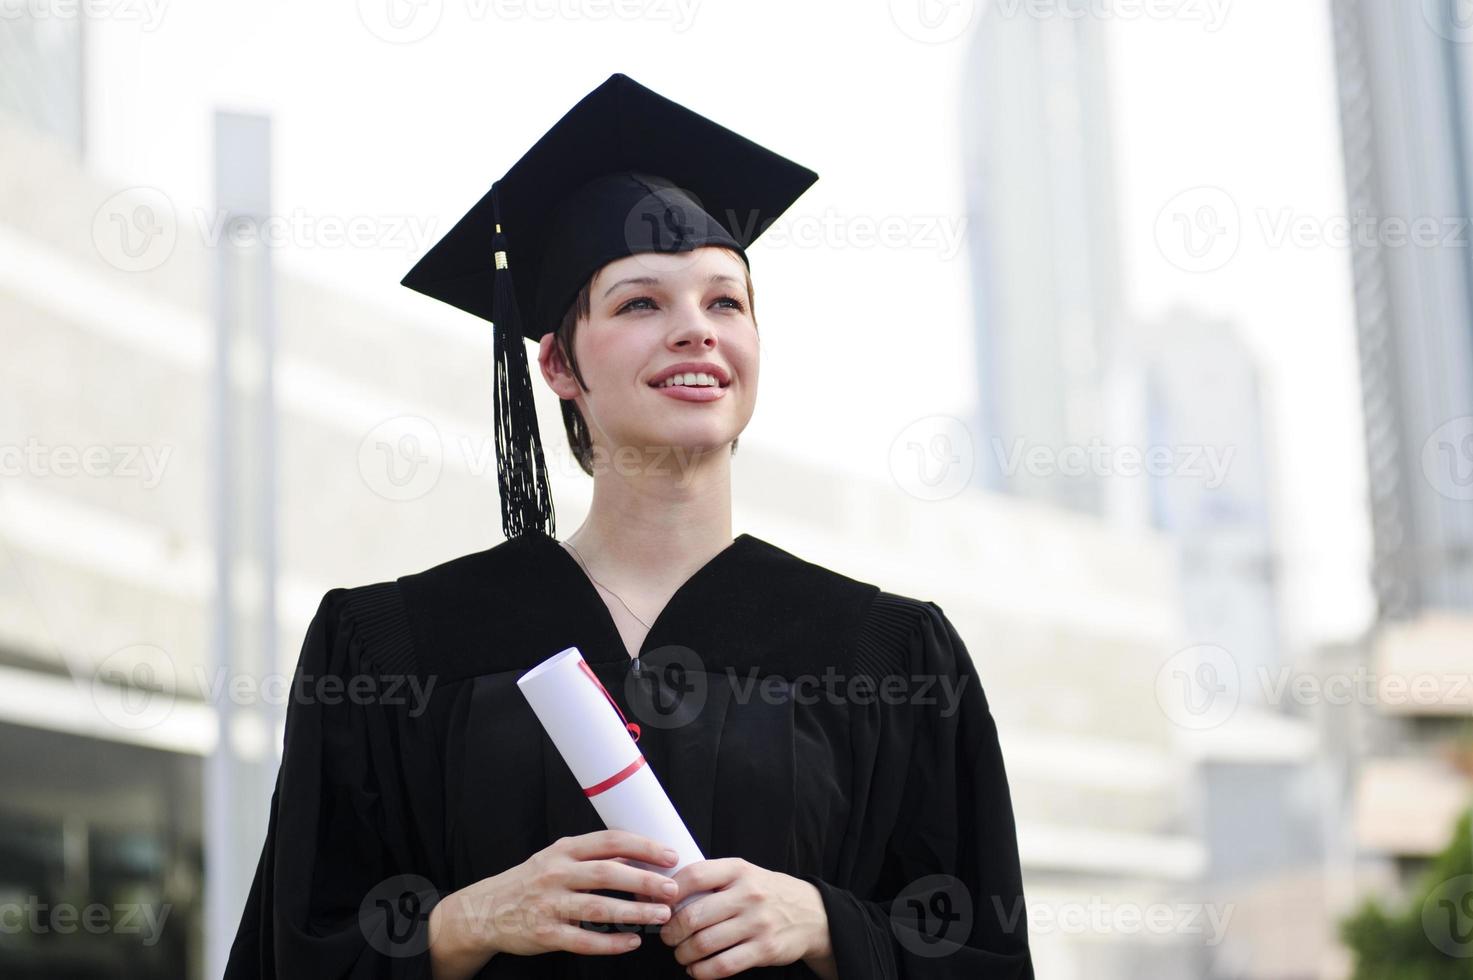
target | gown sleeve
[
  {"x": 334, "y": 894},
  {"x": 955, "y": 819}
]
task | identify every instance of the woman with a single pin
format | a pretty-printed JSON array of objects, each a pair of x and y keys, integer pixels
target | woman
[{"x": 827, "y": 743}]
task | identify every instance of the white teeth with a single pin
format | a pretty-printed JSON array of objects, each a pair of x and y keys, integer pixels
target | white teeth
[{"x": 690, "y": 379}]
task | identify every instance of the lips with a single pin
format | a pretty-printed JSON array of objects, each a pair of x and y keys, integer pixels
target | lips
[{"x": 685, "y": 368}]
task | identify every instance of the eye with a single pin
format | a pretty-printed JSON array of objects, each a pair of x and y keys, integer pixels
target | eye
[
  {"x": 736, "y": 304},
  {"x": 629, "y": 304}
]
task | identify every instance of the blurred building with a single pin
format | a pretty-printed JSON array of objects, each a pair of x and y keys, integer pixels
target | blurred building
[
  {"x": 1042, "y": 233},
  {"x": 1176, "y": 408},
  {"x": 1406, "y": 113},
  {"x": 1204, "y": 402}
]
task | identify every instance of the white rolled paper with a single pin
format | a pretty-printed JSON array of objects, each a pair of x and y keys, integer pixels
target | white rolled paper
[{"x": 585, "y": 726}]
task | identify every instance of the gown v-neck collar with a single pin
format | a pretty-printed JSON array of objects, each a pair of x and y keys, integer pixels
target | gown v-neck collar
[{"x": 580, "y": 584}]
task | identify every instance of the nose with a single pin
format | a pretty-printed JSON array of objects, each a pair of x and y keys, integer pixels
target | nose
[{"x": 692, "y": 328}]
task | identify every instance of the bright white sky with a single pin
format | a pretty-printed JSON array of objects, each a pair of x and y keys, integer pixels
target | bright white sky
[{"x": 364, "y": 127}]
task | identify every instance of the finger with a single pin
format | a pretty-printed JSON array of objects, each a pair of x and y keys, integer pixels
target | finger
[
  {"x": 619, "y": 843},
  {"x": 700, "y": 914},
  {"x": 587, "y": 942},
  {"x": 600, "y": 909},
  {"x": 730, "y": 962},
  {"x": 613, "y": 876},
  {"x": 709, "y": 875},
  {"x": 715, "y": 939}
]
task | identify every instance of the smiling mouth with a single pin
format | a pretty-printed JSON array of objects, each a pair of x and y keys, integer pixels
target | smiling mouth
[{"x": 690, "y": 380}]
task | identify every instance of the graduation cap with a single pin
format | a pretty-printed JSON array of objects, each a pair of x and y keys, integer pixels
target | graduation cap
[{"x": 625, "y": 171}]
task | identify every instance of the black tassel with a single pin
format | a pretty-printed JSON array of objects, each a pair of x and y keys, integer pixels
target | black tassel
[{"x": 521, "y": 471}]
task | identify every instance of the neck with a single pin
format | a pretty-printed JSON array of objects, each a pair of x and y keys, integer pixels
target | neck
[{"x": 654, "y": 529}]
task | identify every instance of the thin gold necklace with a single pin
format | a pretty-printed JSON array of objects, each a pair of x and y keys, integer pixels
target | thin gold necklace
[{"x": 596, "y": 582}]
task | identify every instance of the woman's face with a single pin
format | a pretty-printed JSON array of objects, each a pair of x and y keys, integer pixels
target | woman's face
[{"x": 648, "y": 314}]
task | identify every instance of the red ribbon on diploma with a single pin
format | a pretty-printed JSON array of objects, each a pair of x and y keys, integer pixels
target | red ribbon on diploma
[{"x": 630, "y": 726}]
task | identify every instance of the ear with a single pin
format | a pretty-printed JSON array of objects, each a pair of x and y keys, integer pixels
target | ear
[{"x": 555, "y": 369}]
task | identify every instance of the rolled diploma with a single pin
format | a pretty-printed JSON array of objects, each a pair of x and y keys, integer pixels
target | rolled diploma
[{"x": 604, "y": 758}]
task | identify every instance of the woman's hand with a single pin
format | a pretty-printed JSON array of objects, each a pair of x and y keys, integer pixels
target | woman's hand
[
  {"x": 753, "y": 917},
  {"x": 536, "y": 906}
]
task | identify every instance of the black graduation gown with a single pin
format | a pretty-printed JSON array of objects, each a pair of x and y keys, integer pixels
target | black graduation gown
[{"x": 434, "y": 773}]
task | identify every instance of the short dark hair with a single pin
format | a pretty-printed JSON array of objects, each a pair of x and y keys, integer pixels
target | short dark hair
[{"x": 579, "y": 439}]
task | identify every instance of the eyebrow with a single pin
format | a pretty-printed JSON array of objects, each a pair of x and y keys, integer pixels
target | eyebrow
[{"x": 655, "y": 281}]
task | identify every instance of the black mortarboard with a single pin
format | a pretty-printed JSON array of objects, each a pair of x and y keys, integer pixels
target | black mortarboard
[{"x": 624, "y": 171}]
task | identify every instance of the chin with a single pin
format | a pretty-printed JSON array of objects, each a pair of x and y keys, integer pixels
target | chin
[{"x": 686, "y": 443}]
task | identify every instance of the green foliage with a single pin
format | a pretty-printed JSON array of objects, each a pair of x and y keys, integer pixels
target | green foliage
[{"x": 1432, "y": 938}]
